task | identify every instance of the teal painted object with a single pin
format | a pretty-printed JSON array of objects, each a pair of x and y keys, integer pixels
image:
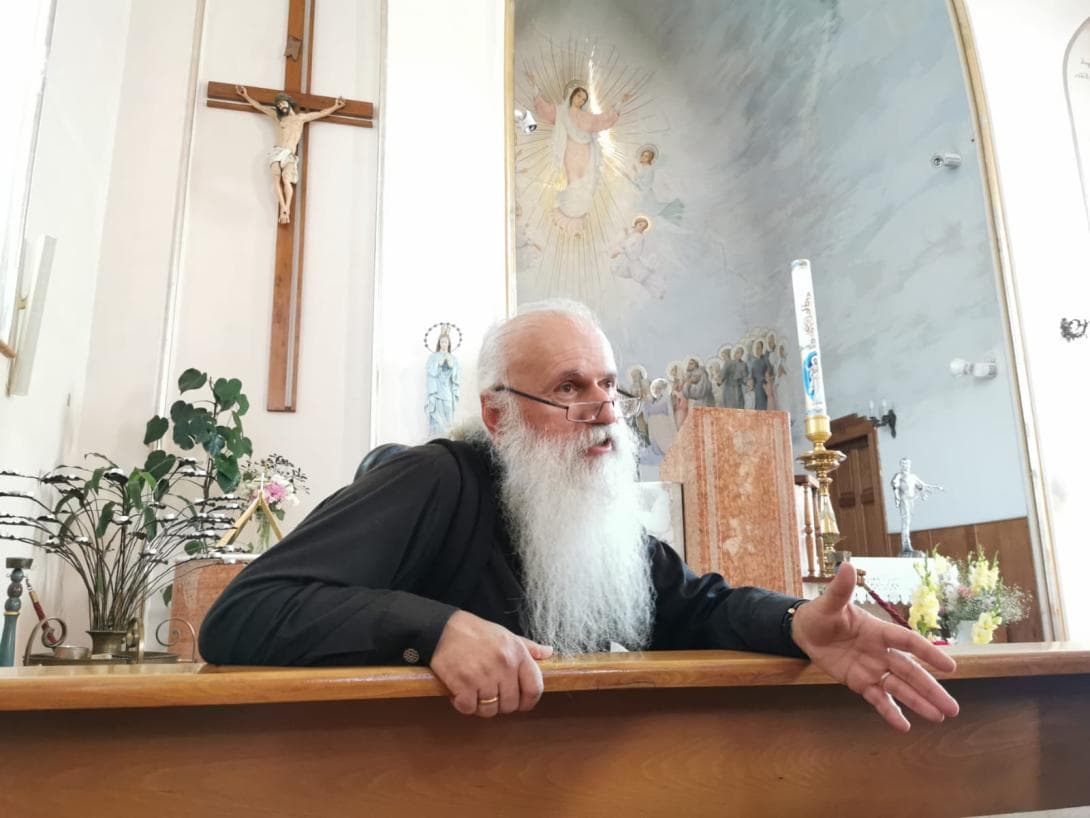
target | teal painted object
[{"x": 11, "y": 609}]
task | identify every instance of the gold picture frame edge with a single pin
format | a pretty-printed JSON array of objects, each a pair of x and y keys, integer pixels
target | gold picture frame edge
[
  {"x": 1038, "y": 506},
  {"x": 510, "y": 274}
]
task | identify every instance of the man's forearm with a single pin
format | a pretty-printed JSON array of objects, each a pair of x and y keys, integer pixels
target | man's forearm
[{"x": 314, "y": 624}]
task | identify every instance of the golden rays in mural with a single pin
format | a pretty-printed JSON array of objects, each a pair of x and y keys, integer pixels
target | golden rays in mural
[{"x": 579, "y": 175}]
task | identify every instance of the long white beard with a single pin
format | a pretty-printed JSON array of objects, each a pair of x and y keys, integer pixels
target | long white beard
[{"x": 574, "y": 522}]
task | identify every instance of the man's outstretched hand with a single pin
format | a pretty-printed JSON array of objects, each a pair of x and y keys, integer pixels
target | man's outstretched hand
[{"x": 876, "y": 659}]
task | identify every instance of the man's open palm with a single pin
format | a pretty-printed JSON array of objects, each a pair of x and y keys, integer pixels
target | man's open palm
[{"x": 875, "y": 659}]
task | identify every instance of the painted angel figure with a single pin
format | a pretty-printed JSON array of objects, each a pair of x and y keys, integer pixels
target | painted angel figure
[
  {"x": 575, "y": 150},
  {"x": 629, "y": 260},
  {"x": 443, "y": 386},
  {"x": 527, "y": 247},
  {"x": 282, "y": 157},
  {"x": 643, "y": 177}
]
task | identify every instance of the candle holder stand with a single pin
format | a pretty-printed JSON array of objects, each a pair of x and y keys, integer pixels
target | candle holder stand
[{"x": 823, "y": 462}]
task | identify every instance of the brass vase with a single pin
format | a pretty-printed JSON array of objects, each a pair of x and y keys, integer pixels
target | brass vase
[{"x": 112, "y": 642}]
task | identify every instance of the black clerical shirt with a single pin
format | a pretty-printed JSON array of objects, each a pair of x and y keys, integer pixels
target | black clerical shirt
[{"x": 372, "y": 575}]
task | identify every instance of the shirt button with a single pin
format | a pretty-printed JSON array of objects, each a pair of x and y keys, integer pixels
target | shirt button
[{"x": 411, "y": 655}]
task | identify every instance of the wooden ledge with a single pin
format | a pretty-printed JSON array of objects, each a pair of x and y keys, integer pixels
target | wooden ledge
[{"x": 188, "y": 685}]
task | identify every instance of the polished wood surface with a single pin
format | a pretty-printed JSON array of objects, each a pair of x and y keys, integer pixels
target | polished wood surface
[
  {"x": 733, "y": 734},
  {"x": 183, "y": 685}
]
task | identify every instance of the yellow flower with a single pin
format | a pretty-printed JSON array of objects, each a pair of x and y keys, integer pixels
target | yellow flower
[
  {"x": 938, "y": 566},
  {"x": 982, "y": 576},
  {"x": 984, "y": 627},
  {"x": 923, "y": 614}
]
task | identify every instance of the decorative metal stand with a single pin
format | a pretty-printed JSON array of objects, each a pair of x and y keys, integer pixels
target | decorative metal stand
[
  {"x": 12, "y": 607},
  {"x": 822, "y": 462},
  {"x": 133, "y": 653}
]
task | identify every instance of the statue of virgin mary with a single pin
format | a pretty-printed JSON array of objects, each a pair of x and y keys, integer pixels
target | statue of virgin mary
[{"x": 443, "y": 386}]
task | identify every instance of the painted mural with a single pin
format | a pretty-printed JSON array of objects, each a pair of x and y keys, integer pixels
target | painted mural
[{"x": 685, "y": 153}]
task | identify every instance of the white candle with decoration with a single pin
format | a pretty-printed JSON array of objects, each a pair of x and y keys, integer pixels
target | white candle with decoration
[{"x": 813, "y": 386}]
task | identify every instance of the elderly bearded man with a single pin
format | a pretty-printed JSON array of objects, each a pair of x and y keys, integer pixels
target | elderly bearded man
[{"x": 481, "y": 556}]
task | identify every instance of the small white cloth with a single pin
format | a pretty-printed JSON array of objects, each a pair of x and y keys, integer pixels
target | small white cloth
[
  {"x": 892, "y": 578},
  {"x": 288, "y": 162}
]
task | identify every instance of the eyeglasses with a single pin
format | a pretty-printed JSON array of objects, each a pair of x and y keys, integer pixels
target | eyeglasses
[{"x": 624, "y": 405}]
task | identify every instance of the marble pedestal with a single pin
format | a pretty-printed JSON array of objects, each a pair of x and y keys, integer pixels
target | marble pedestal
[{"x": 737, "y": 477}]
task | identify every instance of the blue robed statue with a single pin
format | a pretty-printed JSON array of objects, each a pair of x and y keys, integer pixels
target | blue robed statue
[{"x": 443, "y": 386}]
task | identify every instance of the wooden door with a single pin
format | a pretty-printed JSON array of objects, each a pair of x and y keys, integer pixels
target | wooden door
[{"x": 857, "y": 489}]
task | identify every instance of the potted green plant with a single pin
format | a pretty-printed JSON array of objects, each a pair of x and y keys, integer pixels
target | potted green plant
[{"x": 122, "y": 532}]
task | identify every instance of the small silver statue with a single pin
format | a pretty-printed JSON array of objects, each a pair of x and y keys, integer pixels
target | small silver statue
[{"x": 907, "y": 489}]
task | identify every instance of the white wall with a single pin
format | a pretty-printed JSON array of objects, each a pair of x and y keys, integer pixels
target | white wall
[
  {"x": 69, "y": 201},
  {"x": 442, "y": 234},
  {"x": 136, "y": 246},
  {"x": 187, "y": 238},
  {"x": 1021, "y": 49},
  {"x": 225, "y": 297}
]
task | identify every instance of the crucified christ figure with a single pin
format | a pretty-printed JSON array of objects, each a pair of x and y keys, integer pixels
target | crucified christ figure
[{"x": 283, "y": 161}]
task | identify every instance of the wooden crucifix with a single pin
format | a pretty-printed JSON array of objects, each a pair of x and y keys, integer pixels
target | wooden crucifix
[{"x": 290, "y": 169}]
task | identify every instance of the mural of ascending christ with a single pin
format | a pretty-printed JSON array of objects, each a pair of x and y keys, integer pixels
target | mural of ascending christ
[{"x": 574, "y": 149}]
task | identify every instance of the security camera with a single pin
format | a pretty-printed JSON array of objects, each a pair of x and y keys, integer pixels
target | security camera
[
  {"x": 946, "y": 160},
  {"x": 983, "y": 370},
  {"x": 525, "y": 121}
]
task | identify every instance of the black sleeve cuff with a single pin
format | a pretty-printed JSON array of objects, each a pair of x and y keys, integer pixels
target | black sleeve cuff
[
  {"x": 763, "y": 621},
  {"x": 412, "y": 625}
]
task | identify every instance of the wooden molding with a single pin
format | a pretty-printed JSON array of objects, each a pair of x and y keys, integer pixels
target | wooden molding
[
  {"x": 183, "y": 685},
  {"x": 850, "y": 426}
]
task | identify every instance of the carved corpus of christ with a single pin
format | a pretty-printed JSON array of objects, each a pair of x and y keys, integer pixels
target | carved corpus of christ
[{"x": 282, "y": 157}]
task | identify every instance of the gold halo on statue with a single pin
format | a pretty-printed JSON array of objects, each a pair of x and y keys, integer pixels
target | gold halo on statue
[
  {"x": 444, "y": 328},
  {"x": 648, "y": 147},
  {"x": 640, "y": 217}
]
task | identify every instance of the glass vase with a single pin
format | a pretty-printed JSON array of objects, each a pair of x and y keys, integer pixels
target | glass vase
[{"x": 264, "y": 533}]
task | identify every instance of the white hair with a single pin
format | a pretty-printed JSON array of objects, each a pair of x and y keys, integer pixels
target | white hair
[
  {"x": 495, "y": 353},
  {"x": 576, "y": 526}
]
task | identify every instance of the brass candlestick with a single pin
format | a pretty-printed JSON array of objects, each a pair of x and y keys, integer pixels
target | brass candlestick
[{"x": 822, "y": 462}]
